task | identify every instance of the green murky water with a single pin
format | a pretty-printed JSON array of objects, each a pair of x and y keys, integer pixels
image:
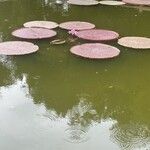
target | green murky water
[{"x": 53, "y": 100}]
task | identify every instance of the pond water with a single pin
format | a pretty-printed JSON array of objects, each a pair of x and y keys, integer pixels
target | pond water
[{"x": 53, "y": 100}]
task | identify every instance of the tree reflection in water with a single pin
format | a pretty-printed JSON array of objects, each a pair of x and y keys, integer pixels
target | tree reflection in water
[
  {"x": 33, "y": 121},
  {"x": 81, "y": 123},
  {"x": 58, "y": 5}
]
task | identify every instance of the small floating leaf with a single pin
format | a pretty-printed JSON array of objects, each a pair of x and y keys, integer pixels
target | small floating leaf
[
  {"x": 95, "y": 51},
  {"x": 17, "y": 48},
  {"x": 57, "y": 42}
]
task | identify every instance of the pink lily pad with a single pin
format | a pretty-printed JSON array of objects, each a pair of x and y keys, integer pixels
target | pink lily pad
[
  {"x": 137, "y": 2},
  {"x": 41, "y": 24},
  {"x": 97, "y": 35},
  {"x": 33, "y": 33},
  {"x": 95, "y": 51},
  {"x": 76, "y": 25},
  {"x": 83, "y": 2},
  {"x": 112, "y": 2},
  {"x": 135, "y": 42},
  {"x": 17, "y": 48}
]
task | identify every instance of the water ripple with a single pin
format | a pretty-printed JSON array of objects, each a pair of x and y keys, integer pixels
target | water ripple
[
  {"x": 51, "y": 115},
  {"x": 131, "y": 136},
  {"x": 75, "y": 135}
]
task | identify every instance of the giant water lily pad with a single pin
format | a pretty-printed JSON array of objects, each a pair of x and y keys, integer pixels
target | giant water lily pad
[
  {"x": 97, "y": 35},
  {"x": 138, "y": 2},
  {"x": 33, "y": 33},
  {"x": 41, "y": 24},
  {"x": 114, "y": 3},
  {"x": 17, "y": 48},
  {"x": 76, "y": 25},
  {"x": 95, "y": 51},
  {"x": 135, "y": 42},
  {"x": 83, "y": 2}
]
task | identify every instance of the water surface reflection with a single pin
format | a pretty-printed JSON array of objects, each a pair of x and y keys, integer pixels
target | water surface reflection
[
  {"x": 26, "y": 125},
  {"x": 54, "y": 101}
]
